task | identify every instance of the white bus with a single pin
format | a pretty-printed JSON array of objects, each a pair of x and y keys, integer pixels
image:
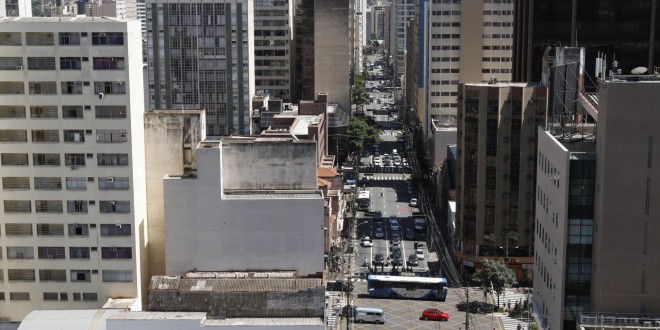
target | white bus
[
  {"x": 364, "y": 201},
  {"x": 385, "y": 286}
]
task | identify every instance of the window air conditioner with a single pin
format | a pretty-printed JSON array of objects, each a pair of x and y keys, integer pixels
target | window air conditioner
[
  {"x": 112, "y": 203},
  {"x": 100, "y": 96},
  {"x": 19, "y": 67},
  {"x": 118, "y": 225},
  {"x": 110, "y": 179}
]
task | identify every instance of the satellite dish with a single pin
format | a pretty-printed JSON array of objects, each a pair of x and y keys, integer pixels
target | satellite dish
[{"x": 639, "y": 70}]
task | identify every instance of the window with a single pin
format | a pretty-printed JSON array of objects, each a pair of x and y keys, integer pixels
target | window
[
  {"x": 109, "y": 87},
  {"x": 12, "y": 87},
  {"x": 78, "y": 229},
  {"x": 115, "y": 252},
  {"x": 11, "y": 63},
  {"x": 41, "y": 63},
  {"x": 14, "y": 159},
  {"x": 69, "y": 38},
  {"x": 40, "y": 39},
  {"x": 74, "y": 135},
  {"x": 15, "y": 182},
  {"x": 71, "y": 87},
  {"x": 51, "y": 296},
  {"x": 76, "y": 183},
  {"x": 18, "y": 229},
  {"x": 46, "y": 159},
  {"x": 42, "y": 87},
  {"x": 12, "y": 111},
  {"x": 17, "y": 206},
  {"x": 116, "y": 229},
  {"x": 52, "y": 275},
  {"x": 43, "y": 111},
  {"x": 111, "y": 136},
  {"x": 76, "y": 206},
  {"x": 108, "y": 63},
  {"x": 13, "y": 135},
  {"x": 47, "y": 183},
  {"x": 79, "y": 252},
  {"x": 72, "y": 111},
  {"x": 110, "y": 111},
  {"x": 48, "y": 206},
  {"x": 19, "y": 296},
  {"x": 107, "y": 38},
  {"x": 48, "y": 229},
  {"x": 110, "y": 182},
  {"x": 89, "y": 296},
  {"x": 42, "y": 135},
  {"x": 20, "y": 252},
  {"x": 74, "y": 159},
  {"x": 115, "y": 206},
  {"x": 80, "y": 276},
  {"x": 76, "y": 295},
  {"x": 51, "y": 252},
  {"x": 117, "y": 275},
  {"x": 112, "y": 159},
  {"x": 64, "y": 296},
  {"x": 10, "y": 39},
  {"x": 70, "y": 63}
]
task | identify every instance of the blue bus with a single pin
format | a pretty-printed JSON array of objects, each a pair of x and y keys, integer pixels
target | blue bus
[{"x": 384, "y": 286}]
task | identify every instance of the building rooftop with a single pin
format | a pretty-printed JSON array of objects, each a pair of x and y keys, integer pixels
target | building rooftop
[
  {"x": 273, "y": 274},
  {"x": 504, "y": 84},
  {"x": 67, "y": 319},
  {"x": 125, "y": 315},
  {"x": 264, "y": 321},
  {"x": 63, "y": 19},
  {"x": 233, "y": 284}
]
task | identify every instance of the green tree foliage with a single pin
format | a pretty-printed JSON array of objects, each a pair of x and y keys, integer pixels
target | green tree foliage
[
  {"x": 495, "y": 273},
  {"x": 362, "y": 131},
  {"x": 359, "y": 95}
]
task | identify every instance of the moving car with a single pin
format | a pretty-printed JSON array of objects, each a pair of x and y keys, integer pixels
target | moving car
[
  {"x": 434, "y": 314},
  {"x": 379, "y": 260},
  {"x": 394, "y": 224},
  {"x": 366, "y": 242},
  {"x": 397, "y": 260},
  {"x": 396, "y": 237},
  {"x": 395, "y": 245},
  {"x": 410, "y": 234},
  {"x": 379, "y": 233},
  {"x": 377, "y": 161},
  {"x": 374, "y": 315},
  {"x": 378, "y": 215},
  {"x": 420, "y": 254},
  {"x": 413, "y": 202}
]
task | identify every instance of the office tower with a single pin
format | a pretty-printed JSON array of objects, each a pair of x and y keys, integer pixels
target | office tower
[
  {"x": 496, "y": 168},
  {"x": 381, "y": 23},
  {"x": 455, "y": 41},
  {"x": 72, "y": 159},
  {"x": 273, "y": 45},
  {"x": 595, "y": 212},
  {"x": 16, "y": 8},
  {"x": 200, "y": 57},
  {"x": 333, "y": 50},
  {"x": 623, "y": 30},
  {"x": 304, "y": 51},
  {"x": 401, "y": 12}
]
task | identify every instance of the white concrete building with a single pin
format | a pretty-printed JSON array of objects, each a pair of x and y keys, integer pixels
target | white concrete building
[
  {"x": 15, "y": 8},
  {"x": 72, "y": 162},
  {"x": 401, "y": 12},
  {"x": 252, "y": 205}
]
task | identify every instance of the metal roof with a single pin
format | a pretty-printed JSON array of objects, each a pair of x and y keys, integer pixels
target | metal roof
[
  {"x": 67, "y": 319},
  {"x": 233, "y": 284},
  {"x": 287, "y": 321}
]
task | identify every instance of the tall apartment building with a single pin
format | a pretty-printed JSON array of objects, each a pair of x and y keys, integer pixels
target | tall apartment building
[
  {"x": 594, "y": 247},
  {"x": 72, "y": 159},
  {"x": 496, "y": 169},
  {"x": 381, "y": 23},
  {"x": 401, "y": 12},
  {"x": 15, "y": 8},
  {"x": 273, "y": 45},
  {"x": 626, "y": 31},
  {"x": 200, "y": 56},
  {"x": 455, "y": 41}
]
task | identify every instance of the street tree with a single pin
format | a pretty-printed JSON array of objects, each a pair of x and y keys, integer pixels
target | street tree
[
  {"x": 495, "y": 276},
  {"x": 362, "y": 131},
  {"x": 359, "y": 95}
]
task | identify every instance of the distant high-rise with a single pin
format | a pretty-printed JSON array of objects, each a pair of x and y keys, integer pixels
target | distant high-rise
[
  {"x": 15, "y": 8},
  {"x": 200, "y": 57},
  {"x": 620, "y": 29}
]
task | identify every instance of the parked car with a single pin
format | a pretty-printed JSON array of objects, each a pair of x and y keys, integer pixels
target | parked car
[
  {"x": 378, "y": 215},
  {"x": 410, "y": 233},
  {"x": 395, "y": 245},
  {"x": 397, "y": 260},
  {"x": 412, "y": 260},
  {"x": 379, "y": 233},
  {"x": 377, "y": 161},
  {"x": 396, "y": 237},
  {"x": 379, "y": 260},
  {"x": 366, "y": 242},
  {"x": 394, "y": 225},
  {"x": 420, "y": 254},
  {"x": 413, "y": 202},
  {"x": 434, "y": 314}
]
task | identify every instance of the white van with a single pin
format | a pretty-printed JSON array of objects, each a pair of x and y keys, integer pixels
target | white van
[
  {"x": 395, "y": 152},
  {"x": 374, "y": 315}
]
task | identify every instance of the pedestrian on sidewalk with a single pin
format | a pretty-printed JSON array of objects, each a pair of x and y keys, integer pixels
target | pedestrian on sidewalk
[{"x": 519, "y": 326}]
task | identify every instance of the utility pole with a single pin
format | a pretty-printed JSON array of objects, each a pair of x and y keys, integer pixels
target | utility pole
[{"x": 351, "y": 232}]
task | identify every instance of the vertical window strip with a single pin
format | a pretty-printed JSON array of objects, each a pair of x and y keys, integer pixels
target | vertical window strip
[
  {"x": 649, "y": 162},
  {"x": 644, "y": 277},
  {"x": 646, "y": 238},
  {"x": 647, "y": 204}
]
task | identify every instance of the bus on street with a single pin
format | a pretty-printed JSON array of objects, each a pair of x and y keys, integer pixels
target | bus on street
[{"x": 412, "y": 287}]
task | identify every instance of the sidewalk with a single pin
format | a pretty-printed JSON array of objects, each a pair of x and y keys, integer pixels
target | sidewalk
[{"x": 509, "y": 299}]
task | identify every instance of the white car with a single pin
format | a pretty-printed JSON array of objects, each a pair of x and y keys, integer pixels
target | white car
[
  {"x": 413, "y": 202},
  {"x": 367, "y": 242},
  {"x": 377, "y": 161},
  {"x": 420, "y": 254}
]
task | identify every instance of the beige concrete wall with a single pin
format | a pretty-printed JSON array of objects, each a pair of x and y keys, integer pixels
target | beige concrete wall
[
  {"x": 628, "y": 117},
  {"x": 471, "y": 40}
]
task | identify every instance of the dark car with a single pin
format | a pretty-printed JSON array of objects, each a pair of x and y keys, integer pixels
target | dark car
[
  {"x": 412, "y": 260},
  {"x": 410, "y": 233},
  {"x": 379, "y": 260},
  {"x": 397, "y": 260},
  {"x": 339, "y": 285},
  {"x": 396, "y": 237},
  {"x": 378, "y": 215}
]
